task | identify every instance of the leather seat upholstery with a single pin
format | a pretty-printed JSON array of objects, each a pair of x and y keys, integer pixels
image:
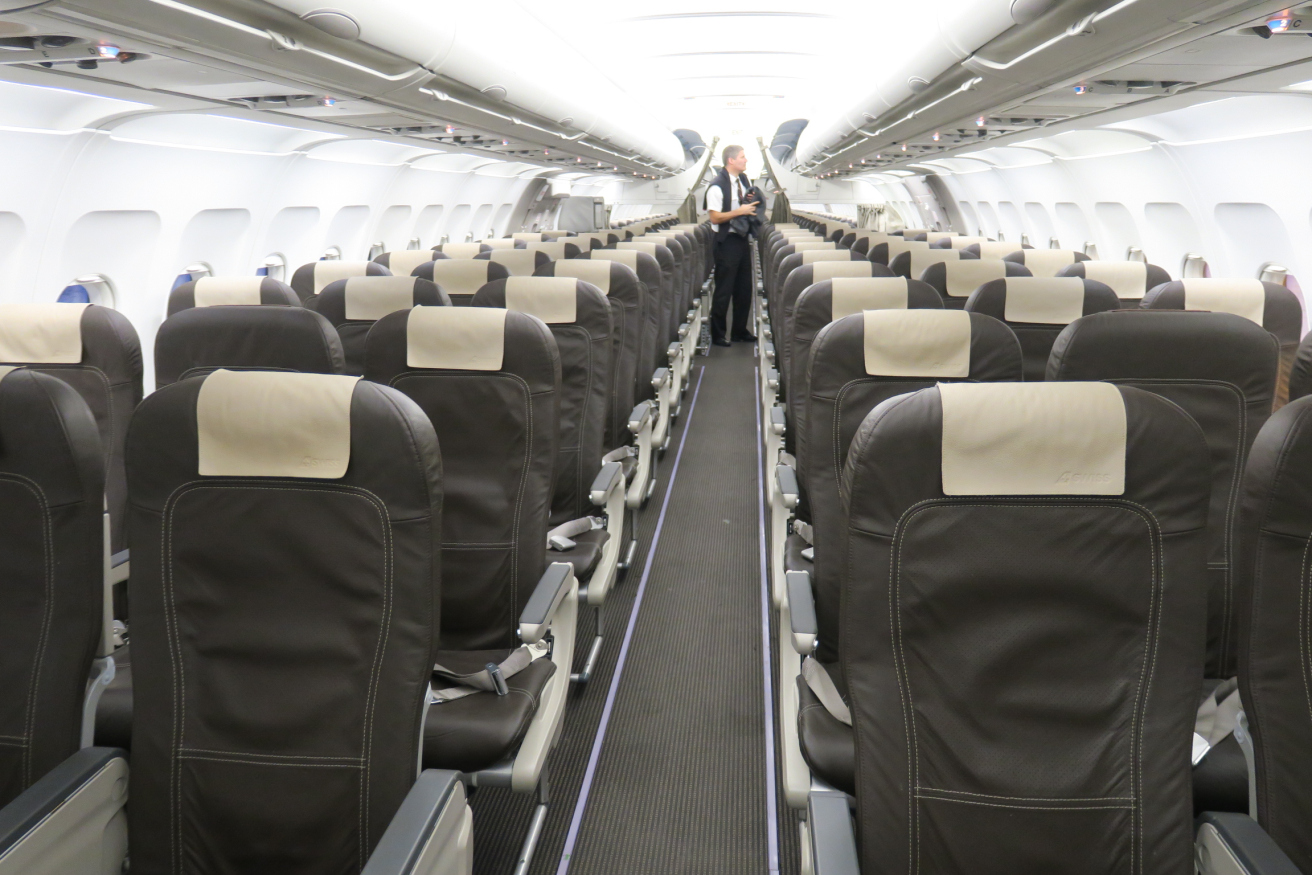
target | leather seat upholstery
[
  {"x": 664, "y": 296},
  {"x": 460, "y": 278},
  {"x": 648, "y": 271},
  {"x": 996, "y": 249},
  {"x": 52, "y": 485},
  {"x": 461, "y": 250},
  {"x": 353, "y": 306},
  {"x": 1046, "y": 262},
  {"x": 221, "y": 291},
  {"x": 1037, "y": 309},
  {"x": 791, "y": 263},
  {"x": 1021, "y": 668},
  {"x": 309, "y": 279},
  {"x": 557, "y": 249},
  {"x": 402, "y": 262},
  {"x": 204, "y": 339},
  {"x": 279, "y": 701},
  {"x": 886, "y": 252},
  {"x": 914, "y": 262},
  {"x": 517, "y": 262},
  {"x": 957, "y": 280},
  {"x": 1130, "y": 280}
]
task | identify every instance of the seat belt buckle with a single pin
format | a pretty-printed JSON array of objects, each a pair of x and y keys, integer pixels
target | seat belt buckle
[
  {"x": 498, "y": 681},
  {"x": 561, "y": 544}
]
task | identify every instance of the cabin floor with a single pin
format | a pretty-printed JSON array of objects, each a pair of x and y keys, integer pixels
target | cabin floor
[{"x": 668, "y": 762}]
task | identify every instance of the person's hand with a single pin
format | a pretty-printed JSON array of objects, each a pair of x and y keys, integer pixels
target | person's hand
[{"x": 748, "y": 210}]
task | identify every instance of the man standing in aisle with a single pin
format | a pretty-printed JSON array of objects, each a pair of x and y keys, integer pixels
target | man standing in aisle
[{"x": 728, "y": 199}]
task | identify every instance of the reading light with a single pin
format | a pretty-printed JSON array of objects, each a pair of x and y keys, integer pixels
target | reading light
[
  {"x": 979, "y": 122},
  {"x": 1278, "y": 25},
  {"x": 904, "y": 147},
  {"x": 327, "y": 101},
  {"x": 450, "y": 129},
  {"x": 505, "y": 142},
  {"x": 1081, "y": 89},
  {"x": 112, "y": 51},
  {"x": 936, "y": 136}
]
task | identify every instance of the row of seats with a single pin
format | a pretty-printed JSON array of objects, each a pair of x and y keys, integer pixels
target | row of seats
[
  {"x": 340, "y": 576},
  {"x": 893, "y": 507}
]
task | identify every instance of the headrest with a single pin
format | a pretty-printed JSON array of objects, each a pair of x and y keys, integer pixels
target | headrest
[
  {"x": 1047, "y": 262},
  {"x": 460, "y": 250},
  {"x": 499, "y": 244},
  {"x": 595, "y": 272},
  {"x": 41, "y": 333},
  {"x": 326, "y": 272},
  {"x": 896, "y": 247},
  {"x": 935, "y": 236},
  {"x": 1245, "y": 298},
  {"x": 806, "y": 245},
  {"x": 1060, "y": 438},
  {"x": 813, "y": 256},
  {"x": 800, "y": 235},
  {"x": 552, "y": 299},
  {"x": 556, "y": 235},
  {"x": 460, "y": 276},
  {"x": 850, "y": 295},
  {"x": 968, "y": 274},
  {"x": 274, "y": 424},
  {"x": 370, "y": 298},
  {"x": 555, "y": 250},
  {"x": 827, "y": 270},
  {"x": 921, "y": 259},
  {"x": 962, "y": 242},
  {"x": 456, "y": 338},
  {"x": 639, "y": 246},
  {"x": 403, "y": 261},
  {"x": 1128, "y": 279},
  {"x": 626, "y": 257},
  {"x": 527, "y": 236},
  {"x": 1046, "y": 300},
  {"x": 658, "y": 239},
  {"x": 520, "y": 262},
  {"x": 908, "y": 233},
  {"x": 785, "y": 226},
  {"x": 5, "y": 370},
  {"x": 222, "y": 291},
  {"x": 999, "y": 249},
  {"x": 917, "y": 343}
]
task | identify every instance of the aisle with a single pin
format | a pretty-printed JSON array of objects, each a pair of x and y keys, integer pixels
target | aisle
[{"x": 679, "y": 783}]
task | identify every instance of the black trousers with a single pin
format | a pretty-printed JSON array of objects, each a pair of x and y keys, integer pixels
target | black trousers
[{"x": 733, "y": 281}]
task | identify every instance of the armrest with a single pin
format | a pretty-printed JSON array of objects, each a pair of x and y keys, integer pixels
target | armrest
[
  {"x": 683, "y": 330},
  {"x": 801, "y": 611},
  {"x": 425, "y": 829},
  {"x": 674, "y": 350},
  {"x": 86, "y": 783},
  {"x": 551, "y": 590},
  {"x": 833, "y": 839},
  {"x": 769, "y": 351},
  {"x": 659, "y": 378},
  {"x": 786, "y": 477},
  {"x": 778, "y": 419},
  {"x": 1234, "y": 844},
  {"x": 611, "y": 474},
  {"x": 640, "y": 416},
  {"x": 772, "y": 378}
]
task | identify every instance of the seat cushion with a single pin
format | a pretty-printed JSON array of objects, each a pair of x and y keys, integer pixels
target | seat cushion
[
  {"x": 827, "y": 744},
  {"x": 482, "y": 729},
  {"x": 1221, "y": 779},
  {"x": 114, "y": 712},
  {"x": 793, "y": 558},
  {"x": 585, "y": 554}
]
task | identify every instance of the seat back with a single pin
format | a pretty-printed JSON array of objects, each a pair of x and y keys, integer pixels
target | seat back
[
  {"x": 954, "y": 241},
  {"x": 223, "y": 291},
  {"x": 1021, "y": 639},
  {"x": 1270, "y": 305},
  {"x": 995, "y": 248},
  {"x": 666, "y": 292},
  {"x": 1221, "y": 370},
  {"x": 490, "y": 382},
  {"x": 1038, "y": 308},
  {"x": 309, "y": 279},
  {"x": 353, "y": 306},
  {"x": 556, "y": 234},
  {"x": 914, "y": 262},
  {"x": 528, "y": 237},
  {"x": 461, "y": 250},
  {"x": 957, "y": 280},
  {"x": 204, "y": 339},
  {"x": 285, "y": 586},
  {"x": 781, "y": 253},
  {"x": 557, "y": 249},
  {"x": 503, "y": 243},
  {"x": 518, "y": 262},
  {"x": 52, "y": 486},
  {"x": 681, "y": 248},
  {"x": 780, "y": 299},
  {"x": 624, "y": 293},
  {"x": 1275, "y": 531},
  {"x": 1046, "y": 262},
  {"x": 96, "y": 351},
  {"x": 648, "y": 271},
  {"x": 1130, "y": 280},
  {"x": 402, "y": 262},
  {"x": 886, "y": 251},
  {"x": 460, "y": 278},
  {"x": 578, "y": 315}
]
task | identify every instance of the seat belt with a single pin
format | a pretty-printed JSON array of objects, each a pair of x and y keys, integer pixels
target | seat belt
[
  {"x": 561, "y": 537},
  {"x": 482, "y": 681},
  {"x": 1216, "y": 719},
  {"x": 819, "y": 682}
]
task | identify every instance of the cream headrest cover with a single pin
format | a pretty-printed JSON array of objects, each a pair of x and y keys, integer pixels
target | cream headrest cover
[
  {"x": 917, "y": 343},
  {"x": 595, "y": 272},
  {"x": 456, "y": 338},
  {"x": 896, "y": 247},
  {"x": 273, "y": 424},
  {"x": 1245, "y": 298},
  {"x": 527, "y": 236},
  {"x": 868, "y": 293},
  {"x": 799, "y": 234},
  {"x": 908, "y": 233},
  {"x": 921, "y": 259},
  {"x": 460, "y": 250},
  {"x": 963, "y": 242},
  {"x": 402, "y": 262},
  {"x": 227, "y": 291},
  {"x": 808, "y": 245},
  {"x": 554, "y": 250},
  {"x": 1128, "y": 279},
  {"x": 935, "y": 236},
  {"x": 996, "y": 249},
  {"x": 499, "y": 243},
  {"x": 520, "y": 262},
  {"x": 1048, "y": 262},
  {"x": 813, "y": 256},
  {"x": 370, "y": 298},
  {"x": 1046, "y": 300},
  {"x": 1033, "y": 439},
  {"x": 555, "y": 235},
  {"x": 968, "y": 274},
  {"x": 785, "y": 226},
  {"x": 638, "y": 246},
  {"x": 657, "y": 239},
  {"x": 41, "y": 333},
  {"x": 553, "y": 299},
  {"x": 827, "y": 270},
  {"x": 626, "y": 257},
  {"x": 326, "y": 272},
  {"x": 460, "y": 276}
]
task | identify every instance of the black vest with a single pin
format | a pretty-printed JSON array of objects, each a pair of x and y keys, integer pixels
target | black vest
[{"x": 722, "y": 181}]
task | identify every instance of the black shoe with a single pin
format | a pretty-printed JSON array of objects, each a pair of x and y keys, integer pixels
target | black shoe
[
  {"x": 745, "y": 338},
  {"x": 721, "y": 342}
]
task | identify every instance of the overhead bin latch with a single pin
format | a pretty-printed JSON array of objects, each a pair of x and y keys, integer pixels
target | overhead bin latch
[{"x": 282, "y": 42}]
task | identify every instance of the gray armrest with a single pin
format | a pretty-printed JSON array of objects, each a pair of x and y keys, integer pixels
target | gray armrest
[
  {"x": 674, "y": 350},
  {"x": 547, "y": 595},
  {"x": 659, "y": 377},
  {"x": 610, "y": 474},
  {"x": 683, "y": 330},
  {"x": 801, "y": 611},
  {"x": 772, "y": 378},
  {"x": 1234, "y": 844},
  {"x": 405, "y": 844},
  {"x": 769, "y": 351},
  {"x": 833, "y": 838},
  {"x": 778, "y": 419},
  {"x": 786, "y": 477},
  {"x": 36, "y": 805},
  {"x": 639, "y": 417}
]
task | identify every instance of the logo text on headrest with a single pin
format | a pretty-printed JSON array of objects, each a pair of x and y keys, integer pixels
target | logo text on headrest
[
  {"x": 1076, "y": 477},
  {"x": 312, "y": 462}
]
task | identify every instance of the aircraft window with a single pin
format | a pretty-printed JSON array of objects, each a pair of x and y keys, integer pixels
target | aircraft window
[
  {"x": 1091, "y": 249},
  {"x": 1194, "y": 265},
  {"x": 93, "y": 288},
  {"x": 1116, "y": 226},
  {"x": 414, "y": 244},
  {"x": 1025, "y": 240},
  {"x": 193, "y": 271},
  {"x": 500, "y": 222},
  {"x": 274, "y": 266},
  {"x": 377, "y": 249},
  {"x": 332, "y": 253},
  {"x": 480, "y": 226},
  {"x": 446, "y": 238},
  {"x": 1040, "y": 221},
  {"x": 1054, "y": 243},
  {"x": 1134, "y": 253},
  {"x": 457, "y": 223},
  {"x": 426, "y": 226},
  {"x": 1009, "y": 218}
]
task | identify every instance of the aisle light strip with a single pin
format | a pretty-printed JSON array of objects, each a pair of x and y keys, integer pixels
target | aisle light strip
[
  {"x": 771, "y": 790},
  {"x": 582, "y": 803}
]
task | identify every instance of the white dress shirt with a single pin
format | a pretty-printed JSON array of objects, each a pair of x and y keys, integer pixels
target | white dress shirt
[{"x": 715, "y": 198}]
